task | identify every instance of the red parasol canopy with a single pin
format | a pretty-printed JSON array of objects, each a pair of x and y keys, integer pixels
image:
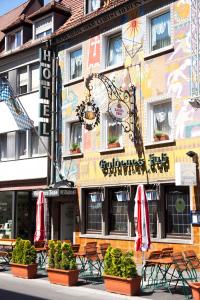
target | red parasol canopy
[
  {"x": 40, "y": 232},
  {"x": 141, "y": 216}
]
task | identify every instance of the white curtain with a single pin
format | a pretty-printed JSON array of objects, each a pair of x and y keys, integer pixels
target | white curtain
[
  {"x": 3, "y": 146},
  {"x": 160, "y": 27},
  {"x": 76, "y": 64},
  {"x": 95, "y": 4},
  {"x": 76, "y": 134},
  {"x": 163, "y": 117},
  {"x": 11, "y": 145},
  {"x": 34, "y": 77},
  {"x": 115, "y": 50}
]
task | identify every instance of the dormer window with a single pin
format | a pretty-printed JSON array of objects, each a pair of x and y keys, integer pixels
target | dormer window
[
  {"x": 92, "y": 5},
  {"x": 14, "y": 40},
  {"x": 43, "y": 27}
]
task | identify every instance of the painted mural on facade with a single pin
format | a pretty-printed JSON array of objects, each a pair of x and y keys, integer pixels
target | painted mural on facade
[{"x": 151, "y": 80}]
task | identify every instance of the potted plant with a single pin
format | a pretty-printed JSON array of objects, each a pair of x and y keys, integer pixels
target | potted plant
[
  {"x": 24, "y": 259},
  {"x": 75, "y": 148},
  {"x": 160, "y": 136},
  {"x": 120, "y": 273},
  {"x": 113, "y": 141},
  {"x": 62, "y": 268},
  {"x": 195, "y": 286}
]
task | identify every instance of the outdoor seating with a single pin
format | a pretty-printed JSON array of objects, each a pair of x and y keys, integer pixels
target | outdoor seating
[
  {"x": 182, "y": 272},
  {"x": 75, "y": 247},
  {"x": 193, "y": 261},
  {"x": 41, "y": 251},
  {"x": 149, "y": 267},
  {"x": 166, "y": 252}
]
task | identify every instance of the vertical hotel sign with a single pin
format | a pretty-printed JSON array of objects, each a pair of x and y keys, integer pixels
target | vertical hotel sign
[{"x": 45, "y": 91}]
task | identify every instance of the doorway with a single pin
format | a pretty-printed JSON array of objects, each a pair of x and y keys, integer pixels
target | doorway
[{"x": 67, "y": 221}]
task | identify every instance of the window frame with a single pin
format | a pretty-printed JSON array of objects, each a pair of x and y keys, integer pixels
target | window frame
[
  {"x": 29, "y": 78},
  {"x": 40, "y": 19},
  {"x": 149, "y": 126},
  {"x": 20, "y": 29},
  {"x": 104, "y": 132},
  {"x": 67, "y": 138},
  {"x": 104, "y": 49},
  {"x": 87, "y": 5},
  {"x": 147, "y": 39},
  {"x": 67, "y": 68}
]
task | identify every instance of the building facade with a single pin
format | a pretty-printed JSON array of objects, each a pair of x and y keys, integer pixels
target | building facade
[{"x": 147, "y": 45}]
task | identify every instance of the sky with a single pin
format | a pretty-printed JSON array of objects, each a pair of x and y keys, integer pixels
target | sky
[{"x": 6, "y": 5}]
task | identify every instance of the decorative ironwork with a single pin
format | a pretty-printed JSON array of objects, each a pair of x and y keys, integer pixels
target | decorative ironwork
[
  {"x": 88, "y": 113},
  {"x": 121, "y": 105}
]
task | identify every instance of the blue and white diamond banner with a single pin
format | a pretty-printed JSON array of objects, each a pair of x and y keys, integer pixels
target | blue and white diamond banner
[{"x": 7, "y": 95}]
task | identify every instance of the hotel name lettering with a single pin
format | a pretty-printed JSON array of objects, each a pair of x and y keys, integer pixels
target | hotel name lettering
[
  {"x": 45, "y": 91},
  {"x": 116, "y": 167}
]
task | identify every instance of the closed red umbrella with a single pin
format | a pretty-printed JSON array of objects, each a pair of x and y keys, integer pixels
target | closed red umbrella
[
  {"x": 141, "y": 216},
  {"x": 40, "y": 232}
]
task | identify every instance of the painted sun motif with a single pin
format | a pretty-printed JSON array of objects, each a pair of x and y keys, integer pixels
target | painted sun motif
[{"x": 133, "y": 28}]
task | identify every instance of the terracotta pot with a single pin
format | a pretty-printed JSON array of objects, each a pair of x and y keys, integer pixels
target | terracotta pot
[
  {"x": 124, "y": 286},
  {"x": 76, "y": 151},
  {"x": 114, "y": 145},
  {"x": 63, "y": 277},
  {"x": 24, "y": 271},
  {"x": 195, "y": 286},
  {"x": 164, "y": 137}
]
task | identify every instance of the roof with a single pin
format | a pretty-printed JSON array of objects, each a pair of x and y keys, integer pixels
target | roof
[
  {"x": 21, "y": 20},
  {"x": 11, "y": 17},
  {"x": 78, "y": 16},
  {"x": 52, "y": 6}
]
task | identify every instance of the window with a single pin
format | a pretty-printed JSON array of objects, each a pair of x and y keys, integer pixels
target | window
[
  {"x": 76, "y": 64},
  {"x": 114, "y": 50},
  {"x": 14, "y": 40},
  {"x": 22, "y": 143},
  {"x": 6, "y": 214},
  {"x": 36, "y": 144},
  {"x": 111, "y": 136},
  {"x": 22, "y": 80},
  {"x": 177, "y": 212},
  {"x": 162, "y": 120},
  {"x": 92, "y": 5},
  {"x": 7, "y": 144},
  {"x": 94, "y": 211},
  {"x": 160, "y": 31},
  {"x": 43, "y": 27},
  {"x": 152, "y": 199},
  {"x": 118, "y": 211},
  {"x": 34, "y": 77}
]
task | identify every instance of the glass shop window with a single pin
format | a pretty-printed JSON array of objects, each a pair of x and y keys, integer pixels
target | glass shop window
[
  {"x": 177, "y": 212},
  {"x": 152, "y": 199},
  {"x": 5, "y": 215},
  {"x": 94, "y": 211},
  {"x": 118, "y": 211}
]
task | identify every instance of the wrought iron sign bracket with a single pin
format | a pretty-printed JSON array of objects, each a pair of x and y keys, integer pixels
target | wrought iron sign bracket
[{"x": 121, "y": 105}]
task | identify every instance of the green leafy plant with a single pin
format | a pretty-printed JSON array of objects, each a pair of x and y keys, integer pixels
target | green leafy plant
[
  {"x": 158, "y": 133},
  {"x": 74, "y": 146},
  {"x": 61, "y": 256},
  {"x": 24, "y": 253},
  {"x": 117, "y": 263},
  {"x": 112, "y": 139}
]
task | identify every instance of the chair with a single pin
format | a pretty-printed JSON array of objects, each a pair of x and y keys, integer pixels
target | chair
[
  {"x": 193, "y": 261},
  {"x": 166, "y": 252},
  {"x": 152, "y": 266},
  {"x": 183, "y": 271},
  {"x": 39, "y": 244},
  {"x": 103, "y": 247},
  {"x": 75, "y": 247}
]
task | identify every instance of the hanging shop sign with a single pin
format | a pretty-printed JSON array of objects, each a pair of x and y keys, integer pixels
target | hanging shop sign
[
  {"x": 135, "y": 166},
  {"x": 55, "y": 192},
  {"x": 119, "y": 110},
  {"x": 45, "y": 91},
  {"x": 185, "y": 174}
]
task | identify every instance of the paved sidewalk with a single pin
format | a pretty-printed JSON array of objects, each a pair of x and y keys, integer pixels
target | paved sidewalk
[{"x": 40, "y": 288}]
